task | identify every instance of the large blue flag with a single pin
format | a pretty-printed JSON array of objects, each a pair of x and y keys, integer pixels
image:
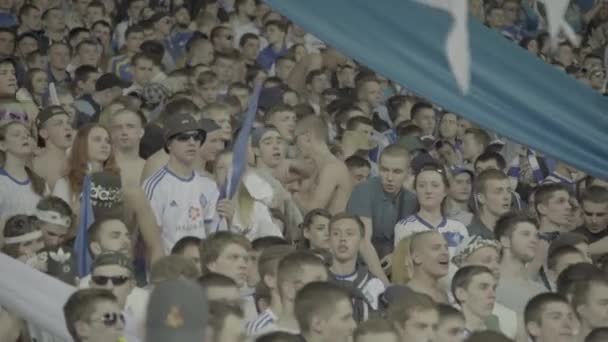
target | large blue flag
[
  {"x": 512, "y": 92},
  {"x": 239, "y": 151},
  {"x": 84, "y": 261}
]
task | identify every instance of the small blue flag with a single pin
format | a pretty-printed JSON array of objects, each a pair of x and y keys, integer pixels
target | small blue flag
[
  {"x": 84, "y": 261},
  {"x": 239, "y": 156}
]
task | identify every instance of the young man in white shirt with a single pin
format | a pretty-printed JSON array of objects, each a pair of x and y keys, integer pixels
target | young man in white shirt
[
  {"x": 183, "y": 201},
  {"x": 345, "y": 234}
]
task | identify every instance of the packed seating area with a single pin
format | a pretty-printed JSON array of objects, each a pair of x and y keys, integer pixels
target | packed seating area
[{"x": 209, "y": 171}]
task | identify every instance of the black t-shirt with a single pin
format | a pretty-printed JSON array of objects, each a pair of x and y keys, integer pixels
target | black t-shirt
[{"x": 152, "y": 141}]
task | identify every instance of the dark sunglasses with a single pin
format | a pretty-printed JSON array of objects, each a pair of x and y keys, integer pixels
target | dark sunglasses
[
  {"x": 109, "y": 319},
  {"x": 103, "y": 280},
  {"x": 183, "y": 137}
]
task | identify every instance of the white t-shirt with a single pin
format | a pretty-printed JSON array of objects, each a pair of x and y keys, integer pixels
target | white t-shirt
[
  {"x": 183, "y": 207},
  {"x": 16, "y": 197},
  {"x": 453, "y": 231}
]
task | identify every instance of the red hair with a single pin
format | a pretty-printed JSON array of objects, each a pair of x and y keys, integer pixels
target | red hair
[{"x": 79, "y": 158}]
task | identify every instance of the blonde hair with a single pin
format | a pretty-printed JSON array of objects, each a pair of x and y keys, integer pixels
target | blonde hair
[{"x": 402, "y": 267}]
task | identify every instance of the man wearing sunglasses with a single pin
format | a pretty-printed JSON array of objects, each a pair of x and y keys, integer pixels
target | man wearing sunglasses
[
  {"x": 93, "y": 315},
  {"x": 113, "y": 271},
  {"x": 183, "y": 201}
]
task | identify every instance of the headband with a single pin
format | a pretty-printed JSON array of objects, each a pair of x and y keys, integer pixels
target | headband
[
  {"x": 31, "y": 236},
  {"x": 53, "y": 217}
]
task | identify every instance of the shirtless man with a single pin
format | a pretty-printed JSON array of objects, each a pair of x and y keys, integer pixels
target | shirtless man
[
  {"x": 126, "y": 127},
  {"x": 213, "y": 145},
  {"x": 55, "y": 131},
  {"x": 331, "y": 186}
]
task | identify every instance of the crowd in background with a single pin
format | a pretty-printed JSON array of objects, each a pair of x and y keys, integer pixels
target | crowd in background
[{"x": 364, "y": 212}]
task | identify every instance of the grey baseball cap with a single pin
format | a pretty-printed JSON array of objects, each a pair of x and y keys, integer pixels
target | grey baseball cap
[{"x": 177, "y": 311}]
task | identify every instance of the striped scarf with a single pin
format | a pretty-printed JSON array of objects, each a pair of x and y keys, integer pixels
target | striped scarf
[{"x": 514, "y": 171}]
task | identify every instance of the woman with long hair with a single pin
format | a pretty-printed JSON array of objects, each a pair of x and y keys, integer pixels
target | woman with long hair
[
  {"x": 431, "y": 186},
  {"x": 20, "y": 187},
  {"x": 249, "y": 215},
  {"x": 35, "y": 87},
  {"x": 315, "y": 229},
  {"x": 91, "y": 152}
]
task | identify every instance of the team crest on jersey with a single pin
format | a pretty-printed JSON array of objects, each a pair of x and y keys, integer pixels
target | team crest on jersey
[
  {"x": 194, "y": 213},
  {"x": 203, "y": 201}
]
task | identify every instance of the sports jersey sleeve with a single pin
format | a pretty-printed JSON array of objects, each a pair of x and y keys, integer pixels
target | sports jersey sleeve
[
  {"x": 373, "y": 289},
  {"x": 406, "y": 228},
  {"x": 157, "y": 203}
]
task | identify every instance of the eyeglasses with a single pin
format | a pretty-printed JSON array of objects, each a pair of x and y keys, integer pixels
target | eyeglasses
[
  {"x": 109, "y": 319},
  {"x": 103, "y": 280},
  {"x": 183, "y": 137}
]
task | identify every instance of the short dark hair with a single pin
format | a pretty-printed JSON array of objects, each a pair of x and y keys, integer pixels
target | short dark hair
[
  {"x": 567, "y": 239},
  {"x": 281, "y": 25},
  {"x": 246, "y": 37},
  {"x": 356, "y": 161},
  {"x": 317, "y": 298},
  {"x": 595, "y": 194},
  {"x": 556, "y": 253},
  {"x": 488, "y": 336},
  {"x": 56, "y": 204},
  {"x": 184, "y": 242},
  {"x": 580, "y": 272},
  {"x": 485, "y": 176},
  {"x": 401, "y": 310},
  {"x": 447, "y": 311},
  {"x": 133, "y": 29},
  {"x": 580, "y": 290},
  {"x": 597, "y": 335},
  {"x": 293, "y": 263},
  {"x": 348, "y": 216},
  {"x": 76, "y": 31},
  {"x": 213, "y": 246},
  {"x": 492, "y": 155},
  {"x": 535, "y": 306},
  {"x": 418, "y": 107},
  {"x": 219, "y": 311},
  {"x": 278, "y": 336},
  {"x": 481, "y": 137},
  {"x": 544, "y": 192},
  {"x": 505, "y": 226},
  {"x": 83, "y": 72},
  {"x": 212, "y": 279},
  {"x": 264, "y": 242},
  {"x": 463, "y": 277},
  {"x": 313, "y": 74},
  {"x": 81, "y": 305}
]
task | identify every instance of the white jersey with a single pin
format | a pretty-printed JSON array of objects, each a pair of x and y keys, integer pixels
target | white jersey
[
  {"x": 453, "y": 231},
  {"x": 183, "y": 207},
  {"x": 260, "y": 323},
  {"x": 16, "y": 197}
]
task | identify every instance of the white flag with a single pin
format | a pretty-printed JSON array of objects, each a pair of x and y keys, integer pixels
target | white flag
[
  {"x": 556, "y": 13},
  {"x": 457, "y": 42}
]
